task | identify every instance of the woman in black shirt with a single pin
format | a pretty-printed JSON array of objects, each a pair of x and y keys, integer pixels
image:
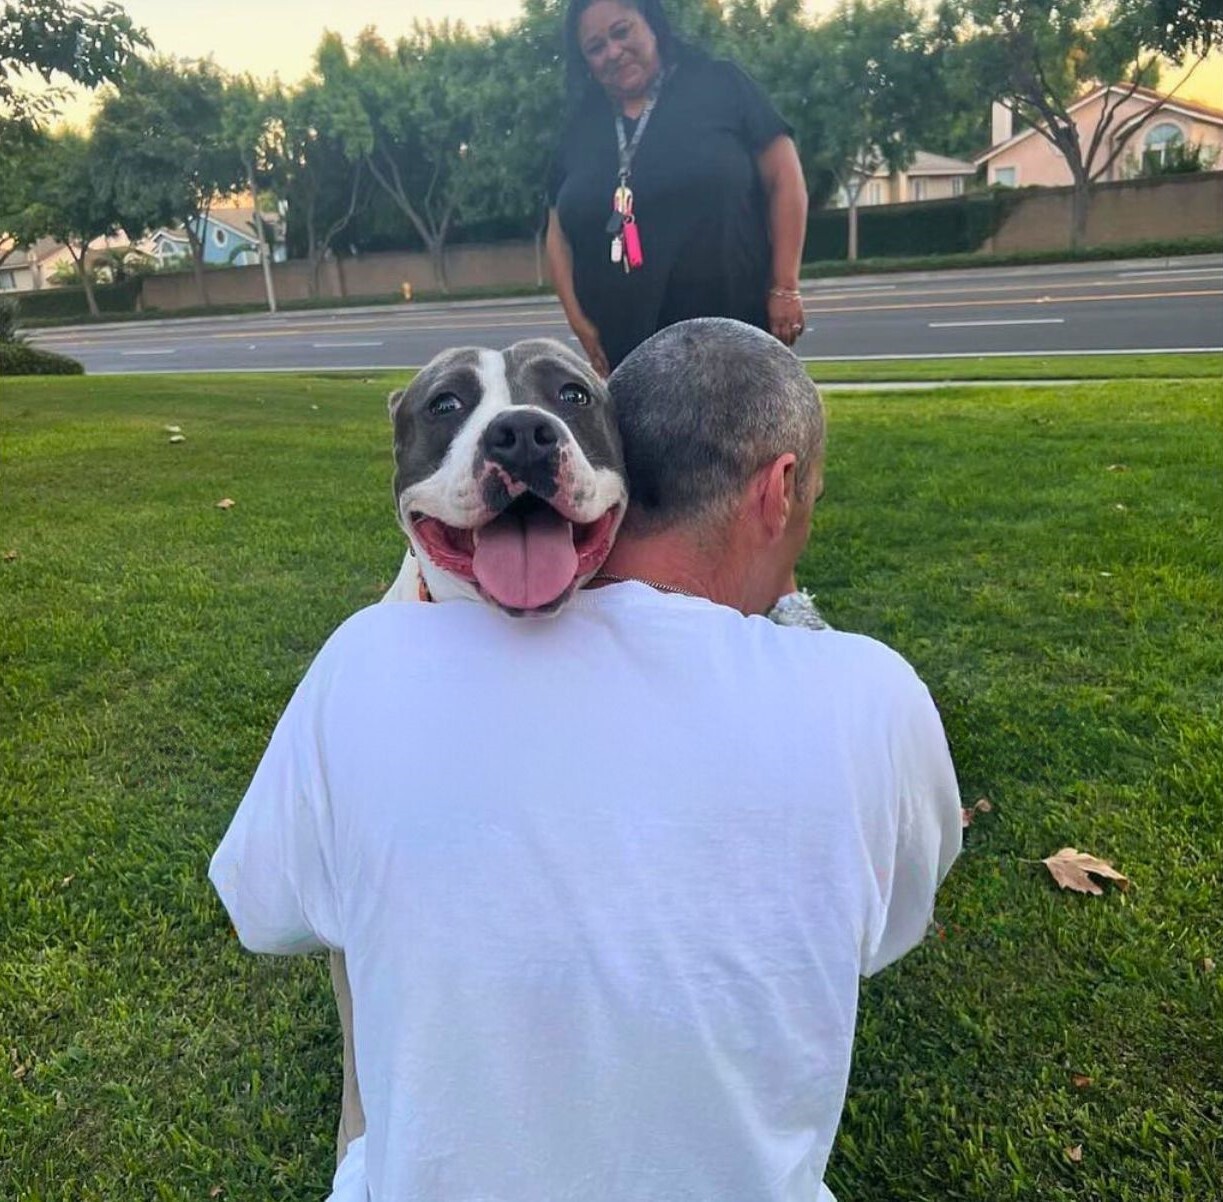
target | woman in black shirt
[{"x": 676, "y": 192}]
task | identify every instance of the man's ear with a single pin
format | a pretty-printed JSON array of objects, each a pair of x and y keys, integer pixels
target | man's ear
[{"x": 778, "y": 483}]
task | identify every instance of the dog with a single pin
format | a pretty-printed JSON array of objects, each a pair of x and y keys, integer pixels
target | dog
[{"x": 509, "y": 477}]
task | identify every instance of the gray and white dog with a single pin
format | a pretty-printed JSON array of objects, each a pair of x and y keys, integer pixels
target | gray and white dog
[{"x": 509, "y": 477}]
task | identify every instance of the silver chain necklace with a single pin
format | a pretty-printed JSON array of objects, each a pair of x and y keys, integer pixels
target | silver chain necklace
[{"x": 666, "y": 588}]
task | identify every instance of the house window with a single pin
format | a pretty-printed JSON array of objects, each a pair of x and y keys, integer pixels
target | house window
[
  {"x": 874, "y": 193},
  {"x": 957, "y": 185},
  {"x": 1007, "y": 177},
  {"x": 218, "y": 236},
  {"x": 8, "y": 281},
  {"x": 1160, "y": 143},
  {"x": 921, "y": 189}
]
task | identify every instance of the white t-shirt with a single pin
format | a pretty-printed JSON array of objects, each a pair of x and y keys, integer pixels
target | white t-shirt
[{"x": 605, "y": 883}]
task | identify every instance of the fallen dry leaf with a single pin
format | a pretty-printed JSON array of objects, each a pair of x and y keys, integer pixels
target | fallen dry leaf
[
  {"x": 1070, "y": 868},
  {"x": 226, "y": 503},
  {"x": 1080, "y": 1080},
  {"x": 1075, "y": 1154},
  {"x": 9, "y": 556},
  {"x": 67, "y": 881},
  {"x": 173, "y": 429},
  {"x": 178, "y": 438},
  {"x": 968, "y": 813},
  {"x": 1208, "y": 965},
  {"x": 216, "y": 1191},
  {"x": 1117, "y": 467}
]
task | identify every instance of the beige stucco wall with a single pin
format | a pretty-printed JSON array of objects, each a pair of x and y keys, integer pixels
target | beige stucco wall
[
  {"x": 1167, "y": 207},
  {"x": 1036, "y": 162},
  {"x": 508, "y": 264}
]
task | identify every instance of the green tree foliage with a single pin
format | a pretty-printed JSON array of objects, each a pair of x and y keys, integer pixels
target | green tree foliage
[
  {"x": 56, "y": 40},
  {"x": 873, "y": 79},
  {"x": 319, "y": 159},
  {"x": 163, "y": 151},
  {"x": 68, "y": 205}
]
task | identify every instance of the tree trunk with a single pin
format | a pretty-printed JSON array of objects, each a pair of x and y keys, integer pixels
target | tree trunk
[
  {"x": 196, "y": 243},
  {"x": 1081, "y": 203},
  {"x": 316, "y": 266},
  {"x": 268, "y": 286},
  {"x": 90, "y": 299},
  {"x": 437, "y": 258}
]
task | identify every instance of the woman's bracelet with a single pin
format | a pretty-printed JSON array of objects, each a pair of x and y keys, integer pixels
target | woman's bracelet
[{"x": 786, "y": 293}]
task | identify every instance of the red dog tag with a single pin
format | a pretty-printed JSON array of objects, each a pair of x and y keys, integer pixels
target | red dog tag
[{"x": 632, "y": 243}]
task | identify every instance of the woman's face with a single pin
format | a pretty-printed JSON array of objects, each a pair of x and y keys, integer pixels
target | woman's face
[{"x": 619, "y": 47}]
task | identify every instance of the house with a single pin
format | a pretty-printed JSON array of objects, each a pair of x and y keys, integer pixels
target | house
[
  {"x": 228, "y": 235},
  {"x": 928, "y": 177},
  {"x": 26, "y": 268},
  {"x": 1141, "y": 133}
]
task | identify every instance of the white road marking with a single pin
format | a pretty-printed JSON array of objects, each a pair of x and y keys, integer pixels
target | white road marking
[
  {"x": 1169, "y": 273},
  {"x": 856, "y": 289},
  {"x": 1016, "y": 321},
  {"x": 331, "y": 346},
  {"x": 1037, "y": 354},
  {"x": 169, "y": 352}
]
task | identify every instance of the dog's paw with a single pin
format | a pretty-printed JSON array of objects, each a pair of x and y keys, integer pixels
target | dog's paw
[{"x": 798, "y": 609}]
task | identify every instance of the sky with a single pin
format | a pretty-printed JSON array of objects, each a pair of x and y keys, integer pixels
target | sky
[{"x": 278, "y": 37}]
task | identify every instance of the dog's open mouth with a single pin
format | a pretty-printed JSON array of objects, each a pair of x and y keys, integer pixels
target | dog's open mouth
[{"x": 527, "y": 557}]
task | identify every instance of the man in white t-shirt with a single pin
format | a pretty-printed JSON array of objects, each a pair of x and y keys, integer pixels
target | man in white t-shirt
[{"x": 606, "y": 883}]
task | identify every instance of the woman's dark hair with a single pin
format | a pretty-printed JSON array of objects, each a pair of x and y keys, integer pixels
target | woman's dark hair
[{"x": 578, "y": 79}]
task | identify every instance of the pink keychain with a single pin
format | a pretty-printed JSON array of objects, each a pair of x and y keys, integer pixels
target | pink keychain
[{"x": 632, "y": 243}]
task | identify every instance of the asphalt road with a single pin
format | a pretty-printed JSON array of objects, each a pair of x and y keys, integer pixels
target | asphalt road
[{"x": 1147, "y": 305}]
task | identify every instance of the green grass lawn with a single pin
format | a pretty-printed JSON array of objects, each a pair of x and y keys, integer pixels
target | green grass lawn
[
  {"x": 1068, "y": 617},
  {"x": 1206, "y": 365}
]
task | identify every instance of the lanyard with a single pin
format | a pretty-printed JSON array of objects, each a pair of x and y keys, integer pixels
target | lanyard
[{"x": 626, "y": 148}]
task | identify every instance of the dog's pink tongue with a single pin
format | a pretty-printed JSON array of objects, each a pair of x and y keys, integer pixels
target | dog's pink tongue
[{"x": 526, "y": 562}]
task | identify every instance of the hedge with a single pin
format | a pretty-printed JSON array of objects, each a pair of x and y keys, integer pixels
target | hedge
[
  {"x": 931, "y": 227},
  {"x": 71, "y": 302},
  {"x": 17, "y": 359}
]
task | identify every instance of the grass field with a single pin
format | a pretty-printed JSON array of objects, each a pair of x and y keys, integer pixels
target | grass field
[
  {"x": 1051, "y": 560},
  {"x": 1205, "y": 366}
]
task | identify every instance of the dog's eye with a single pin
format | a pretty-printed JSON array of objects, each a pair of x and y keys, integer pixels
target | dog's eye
[
  {"x": 443, "y": 403},
  {"x": 574, "y": 394}
]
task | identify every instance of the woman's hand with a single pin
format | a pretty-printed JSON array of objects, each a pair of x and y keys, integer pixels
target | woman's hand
[
  {"x": 588, "y": 336},
  {"x": 786, "y": 321}
]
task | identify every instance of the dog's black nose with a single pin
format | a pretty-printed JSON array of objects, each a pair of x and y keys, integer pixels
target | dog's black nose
[{"x": 521, "y": 442}]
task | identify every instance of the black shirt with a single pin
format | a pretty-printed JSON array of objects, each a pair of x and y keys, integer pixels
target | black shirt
[{"x": 701, "y": 210}]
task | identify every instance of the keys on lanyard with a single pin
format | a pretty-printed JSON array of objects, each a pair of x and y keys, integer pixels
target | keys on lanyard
[{"x": 622, "y": 225}]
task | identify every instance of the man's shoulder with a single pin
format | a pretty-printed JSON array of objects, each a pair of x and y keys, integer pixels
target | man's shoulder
[
  {"x": 379, "y": 629},
  {"x": 842, "y": 651}
]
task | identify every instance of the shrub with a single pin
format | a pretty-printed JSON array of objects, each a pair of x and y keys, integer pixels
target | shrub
[
  {"x": 8, "y": 320},
  {"x": 17, "y": 359},
  {"x": 70, "y": 302},
  {"x": 958, "y": 225}
]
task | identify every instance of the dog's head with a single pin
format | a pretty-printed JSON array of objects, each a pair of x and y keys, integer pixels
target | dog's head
[{"x": 509, "y": 474}]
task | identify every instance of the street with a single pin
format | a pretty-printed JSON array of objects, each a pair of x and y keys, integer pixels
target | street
[{"x": 1147, "y": 305}]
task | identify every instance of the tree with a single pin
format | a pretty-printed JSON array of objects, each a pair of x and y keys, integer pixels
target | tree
[
  {"x": 56, "y": 39},
  {"x": 162, "y": 140},
  {"x": 250, "y": 124},
  {"x": 424, "y": 122},
  {"x": 320, "y": 157},
  {"x": 873, "y": 77},
  {"x": 70, "y": 207},
  {"x": 1040, "y": 56},
  {"x": 20, "y": 154}
]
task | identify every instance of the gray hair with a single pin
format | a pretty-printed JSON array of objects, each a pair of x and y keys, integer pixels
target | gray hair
[{"x": 702, "y": 406}]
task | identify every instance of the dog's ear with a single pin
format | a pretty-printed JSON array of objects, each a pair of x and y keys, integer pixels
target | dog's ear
[{"x": 394, "y": 401}]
